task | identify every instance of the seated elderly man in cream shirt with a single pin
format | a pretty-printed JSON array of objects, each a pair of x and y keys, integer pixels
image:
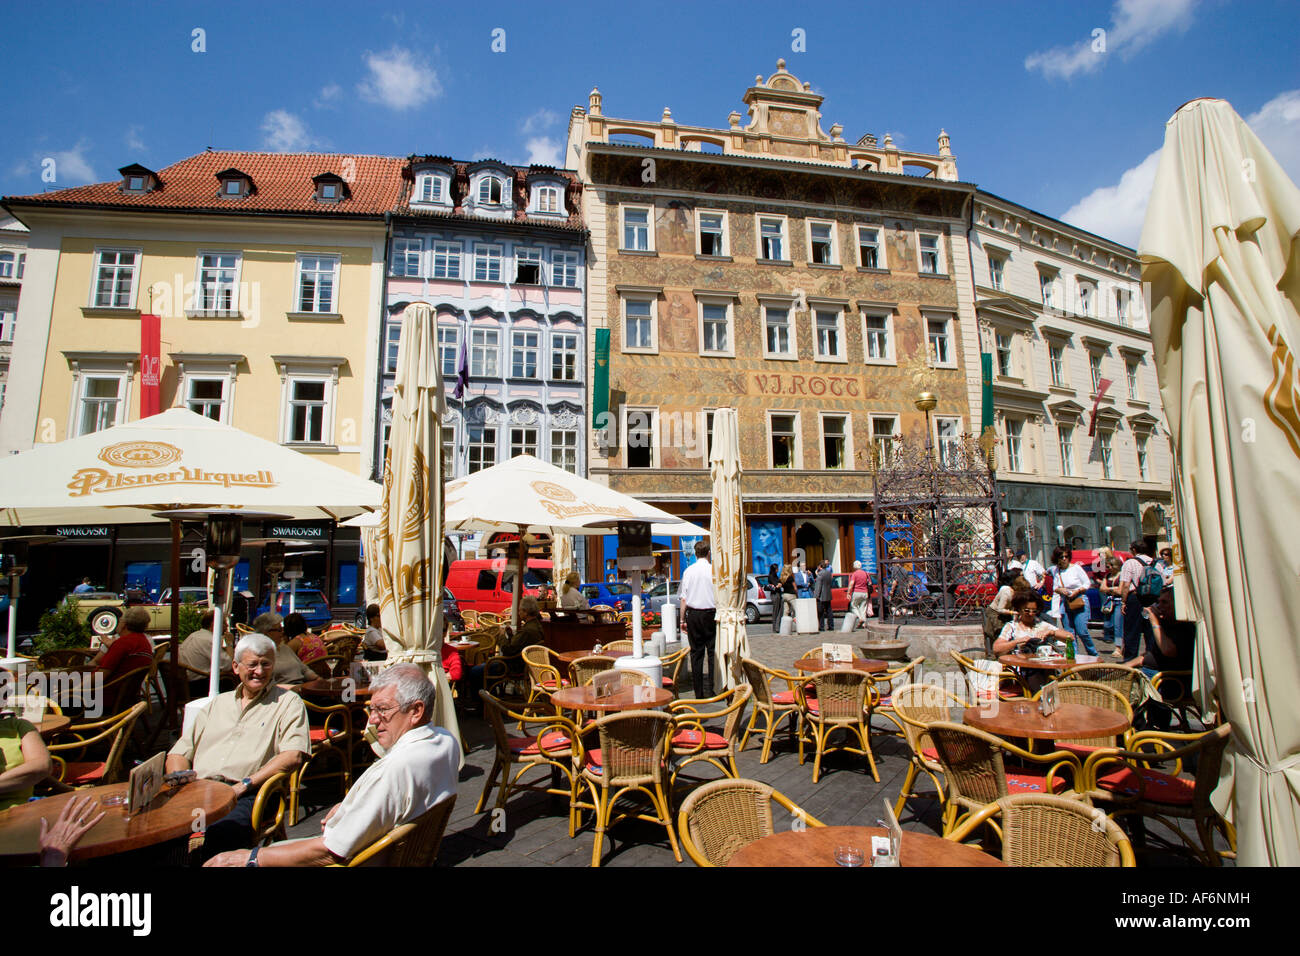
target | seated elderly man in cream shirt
[{"x": 418, "y": 769}]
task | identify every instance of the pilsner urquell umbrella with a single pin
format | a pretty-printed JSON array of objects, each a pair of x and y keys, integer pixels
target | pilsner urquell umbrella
[
  {"x": 408, "y": 554},
  {"x": 1222, "y": 267},
  {"x": 727, "y": 536}
]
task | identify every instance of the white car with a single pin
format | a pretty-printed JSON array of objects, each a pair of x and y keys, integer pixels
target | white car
[{"x": 757, "y": 604}]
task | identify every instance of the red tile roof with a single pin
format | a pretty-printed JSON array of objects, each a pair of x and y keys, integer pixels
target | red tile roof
[{"x": 283, "y": 184}]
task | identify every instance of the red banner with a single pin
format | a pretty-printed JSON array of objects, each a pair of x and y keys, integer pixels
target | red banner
[{"x": 150, "y": 365}]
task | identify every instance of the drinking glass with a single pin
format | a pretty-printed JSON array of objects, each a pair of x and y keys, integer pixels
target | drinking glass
[
  {"x": 331, "y": 663},
  {"x": 846, "y": 855}
]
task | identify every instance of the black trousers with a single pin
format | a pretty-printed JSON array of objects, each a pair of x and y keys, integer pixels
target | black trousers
[
  {"x": 825, "y": 616},
  {"x": 1137, "y": 629},
  {"x": 234, "y": 831},
  {"x": 702, "y": 633}
]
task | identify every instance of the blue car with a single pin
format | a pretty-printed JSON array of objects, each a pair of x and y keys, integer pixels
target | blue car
[
  {"x": 310, "y": 603},
  {"x": 617, "y": 595}
]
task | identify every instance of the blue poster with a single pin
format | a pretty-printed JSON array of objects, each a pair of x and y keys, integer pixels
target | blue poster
[
  {"x": 688, "y": 551},
  {"x": 864, "y": 545},
  {"x": 765, "y": 546}
]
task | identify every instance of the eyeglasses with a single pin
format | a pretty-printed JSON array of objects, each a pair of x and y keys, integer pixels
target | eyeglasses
[{"x": 383, "y": 713}]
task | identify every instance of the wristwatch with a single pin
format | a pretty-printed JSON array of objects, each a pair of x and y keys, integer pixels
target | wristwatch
[
  {"x": 252, "y": 857},
  {"x": 248, "y": 783}
]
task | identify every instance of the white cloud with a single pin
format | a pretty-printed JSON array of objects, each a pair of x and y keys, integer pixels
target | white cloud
[
  {"x": 399, "y": 80},
  {"x": 1117, "y": 211},
  {"x": 543, "y": 151},
  {"x": 133, "y": 141},
  {"x": 71, "y": 168},
  {"x": 540, "y": 121},
  {"x": 282, "y": 132},
  {"x": 1134, "y": 24},
  {"x": 328, "y": 95}
]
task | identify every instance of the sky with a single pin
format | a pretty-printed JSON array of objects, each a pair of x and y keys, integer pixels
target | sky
[{"x": 1058, "y": 106}]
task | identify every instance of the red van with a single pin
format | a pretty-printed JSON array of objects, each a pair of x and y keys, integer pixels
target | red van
[{"x": 488, "y": 584}]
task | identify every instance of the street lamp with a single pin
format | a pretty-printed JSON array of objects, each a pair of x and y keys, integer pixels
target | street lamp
[{"x": 926, "y": 402}]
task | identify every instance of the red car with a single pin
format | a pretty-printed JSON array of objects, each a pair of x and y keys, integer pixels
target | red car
[{"x": 840, "y": 592}]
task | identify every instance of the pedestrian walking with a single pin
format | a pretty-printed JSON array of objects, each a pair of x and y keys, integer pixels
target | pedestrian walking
[
  {"x": 701, "y": 619},
  {"x": 823, "y": 586}
]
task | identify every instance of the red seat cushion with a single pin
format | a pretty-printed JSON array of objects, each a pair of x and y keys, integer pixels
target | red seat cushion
[
  {"x": 669, "y": 683},
  {"x": 84, "y": 772},
  {"x": 317, "y": 734},
  {"x": 520, "y": 744},
  {"x": 594, "y": 761},
  {"x": 1030, "y": 782},
  {"x": 930, "y": 754},
  {"x": 550, "y": 684},
  {"x": 784, "y": 697},
  {"x": 1151, "y": 784},
  {"x": 555, "y": 740},
  {"x": 691, "y": 738}
]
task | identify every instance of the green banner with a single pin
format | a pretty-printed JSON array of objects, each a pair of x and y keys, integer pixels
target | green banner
[
  {"x": 986, "y": 391},
  {"x": 600, "y": 381}
]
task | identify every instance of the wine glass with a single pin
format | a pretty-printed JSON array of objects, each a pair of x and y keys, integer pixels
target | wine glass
[{"x": 331, "y": 663}]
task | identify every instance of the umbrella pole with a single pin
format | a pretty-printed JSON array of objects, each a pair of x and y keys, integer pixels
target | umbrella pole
[
  {"x": 521, "y": 562},
  {"x": 174, "y": 667},
  {"x": 12, "y": 649}
]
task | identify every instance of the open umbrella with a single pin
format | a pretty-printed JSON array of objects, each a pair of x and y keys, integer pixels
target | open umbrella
[
  {"x": 1222, "y": 267},
  {"x": 727, "y": 536},
  {"x": 408, "y": 554}
]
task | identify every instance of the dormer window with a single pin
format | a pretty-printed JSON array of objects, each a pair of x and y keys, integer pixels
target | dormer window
[
  {"x": 234, "y": 184},
  {"x": 428, "y": 188},
  {"x": 135, "y": 184},
  {"x": 232, "y": 187},
  {"x": 137, "y": 179},
  {"x": 330, "y": 188},
  {"x": 548, "y": 199},
  {"x": 491, "y": 190}
]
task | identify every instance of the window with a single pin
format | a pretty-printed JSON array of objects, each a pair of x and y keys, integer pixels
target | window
[
  {"x": 206, "y": 397},
  {"x": 564, "y": 356},
  {"x": 771, "y": 238},
  {"x": 1144, "y": 463},
  {"x": 564, "y": 450},
  {"x": 316, "y": 281},
  {"x": 547, "y": 199},
  {"x": 232, "y": 188},
  {"x": 828, "y": 327},
  {"x": 484, "y": 351},
  {"x": 1002, "y": 342},
  {"x": 870, "y": 254},
  {"x": 115, "y": 274},
  {"x": 939, "y": 336},
  {"x": 491, "y": 190},
  {"x": 821, "y": 243},
  {"x": 713, "y": 234},
  {"x": 448, "y": 349},
  {"x": 715, "y": 322},
  {"x": 7, "y": 320},
  {"x": 778, "y": 334},
  {"x": 878, "y": 343},
  {"x": 636, "y": 228},
  {"x": 328, "y": 192},
  {"x": 1015, "y": 431},
  {"x": 1121, "y": 306},
  {"x": 523, "y": 354},
  {"x": 482, "y": 447},
  {"x": 996, "y": 266},
  {"x": 883, "y": 430},
  {"x": 22, "y": 263},
  {"x": 835, "y": 449},
  {"x": 428, "y": 188},
  {"x": 446, "y": 260},
  {"x": 528, "y": 267},
  {"x": 1087, "y": 298},
  {"x": 448, "y": 451},
  {"x": 135, "y": 184},
  {"x": 708, "y": 435},
  {"x": 99, "y": 402},
  {"x": 1094, "y": 366},
  {"x": 639, "y": 429},
  {"x": 523, "y": 441},
  {"x": 1065, "y": 440},
  {"x": 6, "y": 265},
  {"x": 931, "y": 261},
  {"x": 1131, "y": 372},
  {"x": 307, "y": 410},
  {"x": 218, "y": 282},
  {"x": 638, "y": 325},
  {"x": 1107, "y": 457},
  {"x": 784, "y": 445},
  {"x": 1047, "y": 285},
  {"x": 406, "y": 257},
  {"x": 564, "y": 269},
  {"x": 949, "y": 440},
  {"x": 1056, "y": 358},
  {"x": 487, "y": 263}
]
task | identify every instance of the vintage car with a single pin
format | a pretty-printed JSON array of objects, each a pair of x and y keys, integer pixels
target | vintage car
[{"x": 102, "y": 610}]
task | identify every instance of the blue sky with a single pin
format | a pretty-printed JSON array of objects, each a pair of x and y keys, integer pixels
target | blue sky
[{"x": 1037, "y": 112}]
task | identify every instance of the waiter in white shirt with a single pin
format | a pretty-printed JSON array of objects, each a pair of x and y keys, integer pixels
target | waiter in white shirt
[{"x": 701, "y": 625}]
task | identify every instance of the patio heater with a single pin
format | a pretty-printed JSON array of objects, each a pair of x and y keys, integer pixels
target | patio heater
[
  {"x": 14, "y": 563},
  {"x": 292, "y": 573},
  {"x": 273, "y": 564},
  {"x": 635, "y": 554},
  {"x": 222, "y": 544}
]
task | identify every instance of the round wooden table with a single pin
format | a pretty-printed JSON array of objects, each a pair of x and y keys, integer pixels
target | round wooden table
[
  {"x": 1071, "y": 721},
  {"x": 815, "y": 846},
  {"x": 170, "y": 815},
  {"x": 637, "y": 697},
  {"x": 570, "y": 656},
  {"x": 815, "y": 662},
  {"x": 1034, "y": 662},
  {"x": 51, "y": 724},
  {"x": 334, "y": 687}
]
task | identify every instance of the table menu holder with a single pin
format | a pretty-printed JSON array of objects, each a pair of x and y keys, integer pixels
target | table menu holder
[
  {"x": 837, "y": 653},
  {"x": 1047, "y": 700},
  {"x": 893, "y": 838},
  {"x": 145, "y": 783},
  {"x": 606, "y": 683}
]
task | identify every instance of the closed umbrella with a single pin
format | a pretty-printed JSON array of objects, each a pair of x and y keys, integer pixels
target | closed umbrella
[
  {"x": 727, "y": 535},
  {"x": 561, "y": 560},
  {"x": 1220, "y": 257},
  {"x": 408, "y": 551}
]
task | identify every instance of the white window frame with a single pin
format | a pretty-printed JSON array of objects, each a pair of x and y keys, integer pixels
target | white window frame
[
  {"x": 725, "y": 239},
  {"x": 224, "y": 403},
  {"x": 564, "y": 265},
  {"x": 329, "y": 383},
  {"x": 628, "y": 412},
  {"x": 889, "y": 358},
  {"x": 997, "y": 271},
  {"x": 649, "y": 227},
  {"x": 796, "y": 453},
  {"x": 449, "y": 254},
  {"x": 653, "y": 347},
  {"x": 879, "y": 244},
  {"x": 950, "y": 333},
  {"x": 531, "y": 255},
  {"x": 939, "y": 442},
  {"x": 123, "y": 376},
  {"x": 784, "y": 238},
  {"x": 483, "y": 428},
  {"x": 792, "y": 354},
  {"x": 299, "y": 304},
  {"x": 443, "y": 329},
  {"x": 483, "y": 255},
  {"x": 834, "y": 241},
  {"x": 1106, "y": 441},
  {"x": 8, "y": 265},
  {"x": 1086, "y": 290},
  {"x": 404, "y": 257},
  {"x": 449, "y": 455},
  {"x": 846, "y": 453},
  {"x": 8, "y": 321},
  {"x": 1059, "y": 371},
  {"x": 1133, "y": 378},
  {"x": 565, "y": 447},
  {"x": 544, "y": 191},
  {"x": 1009, "y": 338},
  {"x": 476, "y": 349},
  {"x": 518, "y": 350},
  {"x": 199, "y": 303},
  {"x": 815, "y": 311},
  {"x": 484, "y": 185},
  {"x": 1065, "y": 448},
  {"x": 883, "y": 457},
  {"x": 1141, "y": 444},
  {"x": 98, "y": 265},
  {"x": 1122, "y": 303},
  {"x": 1047, "y": 287},
  {"x": 432, "y": 183},
  {"x": 940, "y": 258},
  {"x": 22, "y": 264},
  {"x": 570, "y": 357},
  {"x": 729, "y": 322},
  {"x": 1095, "y": 372},
  {"x": 1014, "y": 434},
  {"x": 521, "y": 447}
]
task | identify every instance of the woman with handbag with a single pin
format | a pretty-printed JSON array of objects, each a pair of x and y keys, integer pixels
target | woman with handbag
[
  {"x": 1112, "y": 608},
  {"x": 1070, "y": 605}
]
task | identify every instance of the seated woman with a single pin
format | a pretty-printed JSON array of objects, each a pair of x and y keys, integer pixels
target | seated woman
[
  {"x": 24, "y": 761},
  {"x": 129, "y": 650},
  {"x": 512, "y": 643},
  {"x": 571, "y": 596},
  {"x": 308, "y": 646},
  {"x": 1026, "y": 627},
  {"x": 372, "y": 644}
]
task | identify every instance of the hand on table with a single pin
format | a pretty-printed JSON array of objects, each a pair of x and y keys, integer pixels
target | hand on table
[
  {"x": 230, "y": 858},
  {"x": 73, "y": 822}
]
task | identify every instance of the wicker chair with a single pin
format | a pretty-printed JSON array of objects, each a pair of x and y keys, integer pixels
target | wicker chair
[
  {"x": 1129, "y": 681},
  {"x": 977, "y": 776},
  {"x": 916, "y": 706},
  {"x": 543, "y": 674},
  {"x": 1174, "y": 690},
  {"x": 155, "y": 685},
  {"x": 331, "y": 740},
  {"x": 272, "y": 809},
  {"x": 115, "y": 731},
  {"x": 1090, "y": 694},
  {"x": 344, "y": 647},
  {"x": 584, "y": 669},
  {"x": 624, "y": 645},
  {"x": 1124, "y": 781},
  {"x": 411, "y": 844},
  {"x": 672, "y": 667},
  {"x": 723, "y": 816},
  {"x": 694, "y": 742},
  {"x": 631, "y": 758},
  {"x": 1010, "y": 686},
  {"x": 65, "y": 657},
  {"x": 486, "y": 638},
  {"x": 1043, "y": 830},
  {"x": 840, "y": 700},
  {"x": 773, "y": 706},
  {"x": 552, "y": 742},
  {"x": 885, "y": 684},
  {"x": 493, "y": 619}
]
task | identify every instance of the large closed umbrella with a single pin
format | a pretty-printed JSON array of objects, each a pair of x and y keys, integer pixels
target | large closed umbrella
[
  {"x": 1219, "y": 251},
  {"x": 727, "y": 536},
  {"x": 408, "y": 554}
]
